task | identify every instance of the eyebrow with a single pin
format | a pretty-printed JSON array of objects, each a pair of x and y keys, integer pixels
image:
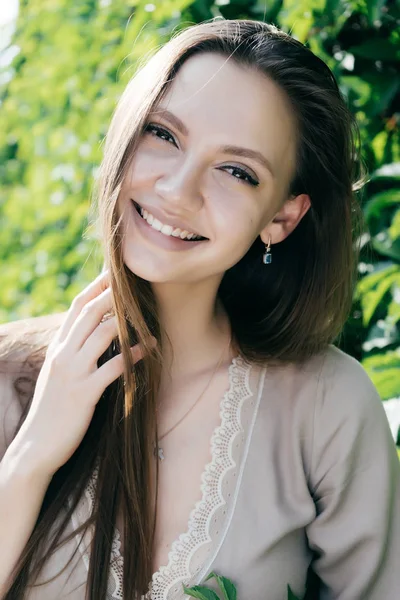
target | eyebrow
[{"x": 226, "y": 149}]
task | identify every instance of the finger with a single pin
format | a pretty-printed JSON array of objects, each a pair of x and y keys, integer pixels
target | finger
[
  {"x": 113, "y": 369},
  {"x": 88, "y": 320},
  {"x": 98, "y": 342},
  {"x": 91, "y": 291}
]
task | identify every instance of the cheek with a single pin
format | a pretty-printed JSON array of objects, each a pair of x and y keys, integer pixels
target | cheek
[
  {"x": 237, "y": 231},
  {"x": 142, "y": 168},
  {"x": 232, "y": 211}
]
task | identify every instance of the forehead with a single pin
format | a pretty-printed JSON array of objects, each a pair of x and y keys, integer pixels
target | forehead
[{"x": 230, "y": 103}]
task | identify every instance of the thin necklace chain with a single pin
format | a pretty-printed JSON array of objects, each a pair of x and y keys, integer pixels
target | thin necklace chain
[{"x": 159, "y": 451}]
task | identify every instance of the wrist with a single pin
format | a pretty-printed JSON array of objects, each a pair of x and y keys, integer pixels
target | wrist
[{"x": 20, "y": 460}]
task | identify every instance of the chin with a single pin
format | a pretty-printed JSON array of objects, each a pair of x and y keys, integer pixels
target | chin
[{"x": 154, "y": 273}]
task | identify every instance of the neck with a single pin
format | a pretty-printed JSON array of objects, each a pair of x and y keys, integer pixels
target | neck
[{"x": 196, "y": 324}]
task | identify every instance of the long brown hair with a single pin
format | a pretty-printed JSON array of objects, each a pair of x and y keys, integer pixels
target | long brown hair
[{"x": 286, "y": 312}]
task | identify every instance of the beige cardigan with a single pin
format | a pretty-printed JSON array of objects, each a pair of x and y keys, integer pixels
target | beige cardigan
[{"x": 304, "y": 473}]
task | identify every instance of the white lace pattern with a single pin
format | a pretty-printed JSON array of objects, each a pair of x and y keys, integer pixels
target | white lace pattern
[{"x": 209, "y": 519}]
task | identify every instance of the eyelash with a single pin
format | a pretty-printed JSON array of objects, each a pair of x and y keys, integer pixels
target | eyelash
[{"x": 250, "y": 180}]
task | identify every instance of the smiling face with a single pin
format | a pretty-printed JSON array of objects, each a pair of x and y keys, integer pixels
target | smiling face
[{"x": 215, "y": 159}]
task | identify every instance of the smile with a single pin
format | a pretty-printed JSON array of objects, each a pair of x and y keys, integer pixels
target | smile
[
  {"x": 166, "y": 239},
  {"x": 166, "y": 230}
]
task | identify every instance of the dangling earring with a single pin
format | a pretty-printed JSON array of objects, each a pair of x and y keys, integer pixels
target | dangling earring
[{"x": 267, "y": 256}]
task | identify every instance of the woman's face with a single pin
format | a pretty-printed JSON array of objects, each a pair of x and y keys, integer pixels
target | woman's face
[{"x": 215, "y": 159}]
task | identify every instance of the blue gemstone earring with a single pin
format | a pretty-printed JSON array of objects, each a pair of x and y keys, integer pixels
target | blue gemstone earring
[{"x": 267, "y": 256}]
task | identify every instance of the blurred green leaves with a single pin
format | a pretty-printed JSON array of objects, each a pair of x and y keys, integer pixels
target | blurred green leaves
[{"x": 70, "y": 63}]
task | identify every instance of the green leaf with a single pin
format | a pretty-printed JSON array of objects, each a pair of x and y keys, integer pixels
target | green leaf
[
  {"x": 394, "y": 229},
  {"x": 386, "y": 246},
  {"x": 376, "y": 49},
  {"x": 380, "y": 201},
  {"x": 297, "y": 16},
  {"x": 384, "y": 88},
  {"x": 372, "y": 288},
  {"x": 200, "y": 592},
  {"x": 380, "y": 272},
  {"x": 372, "y": 299},
  {"x": 357, "y": 88},
  {"x": 389, "y": 171},
  {"x": 384, "y": 369},
  {"x": 226, "y": 586},
  {"x": 291, "y": 596},
  {"x": 374, "y": 9}
]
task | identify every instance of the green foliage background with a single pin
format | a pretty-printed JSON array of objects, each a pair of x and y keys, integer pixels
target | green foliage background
[{"x": 71, "y": 63}]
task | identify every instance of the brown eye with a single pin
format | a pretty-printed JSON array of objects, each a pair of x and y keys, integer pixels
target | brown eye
[
  {"x": 160, "y": 133},
  {"x": 241, "y": 174}
]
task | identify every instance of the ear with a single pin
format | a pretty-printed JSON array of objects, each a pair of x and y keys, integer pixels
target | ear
[{"x": 286, "y": 219}]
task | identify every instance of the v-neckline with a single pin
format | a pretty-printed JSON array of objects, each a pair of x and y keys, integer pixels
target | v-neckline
[{"x": 197, "y": 533}]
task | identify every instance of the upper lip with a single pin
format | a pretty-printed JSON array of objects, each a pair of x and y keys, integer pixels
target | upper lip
[{"x": 168, "y": 221}]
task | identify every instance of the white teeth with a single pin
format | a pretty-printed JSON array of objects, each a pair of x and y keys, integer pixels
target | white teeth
[
  {"x": 156, "y": 224},
  {"x": 167, "y": 229}
]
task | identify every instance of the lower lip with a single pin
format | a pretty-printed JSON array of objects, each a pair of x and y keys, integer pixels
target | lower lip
[{"x": 168, "y": 242}]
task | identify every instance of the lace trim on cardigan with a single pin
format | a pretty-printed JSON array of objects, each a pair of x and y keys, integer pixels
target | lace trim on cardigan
[{"x": 198, "y": 533}]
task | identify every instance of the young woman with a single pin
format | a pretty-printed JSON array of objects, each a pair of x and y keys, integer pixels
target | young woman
[{"x": 191, "y": 413}]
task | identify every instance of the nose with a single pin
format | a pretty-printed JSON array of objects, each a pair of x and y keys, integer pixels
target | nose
[{"x": 179, "y": 185}]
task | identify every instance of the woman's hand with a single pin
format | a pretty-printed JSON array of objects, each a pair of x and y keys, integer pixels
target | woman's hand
[{"x": 70, "y": 383}]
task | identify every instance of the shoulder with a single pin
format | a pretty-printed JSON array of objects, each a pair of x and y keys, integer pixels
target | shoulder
[
  {"x": 337, "y": 364},
  {"x": 23, "y": 345},
  {"x": 10, "y": 411},
  {"x": 31, "y": 325},
  {"x": 336, "y": 392},
  {"x": 330, "y": 377},
  {"x": 343, "y": 383},
  {"x": 19, "y": 339},
  {"x": 350, "y": 430},
  {"x": 333, "y": 365},
  {"x": 329, "y": 398},
  {"x": 330, "y": 374}
]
